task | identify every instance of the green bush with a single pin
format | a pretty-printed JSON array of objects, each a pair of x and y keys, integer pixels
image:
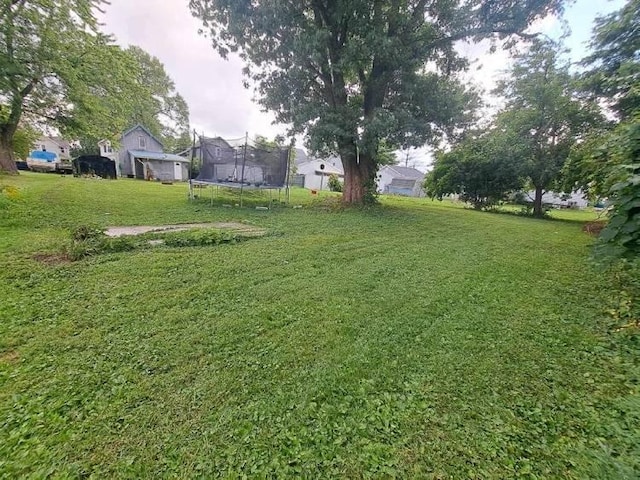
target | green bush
[
  {"x": 335, "y": 185},
  {"x": 620, "y": 239},
  {"x": 618, "y": 247}
]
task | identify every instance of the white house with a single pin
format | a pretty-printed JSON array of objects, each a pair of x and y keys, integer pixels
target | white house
[
  {"x": 107, "y": 150},
  {"x": 316, "y": 173},
  {"x": 560, "y": 200},
  {"x": 397, "y": 180},
  {"x": 50, "y": 154}
]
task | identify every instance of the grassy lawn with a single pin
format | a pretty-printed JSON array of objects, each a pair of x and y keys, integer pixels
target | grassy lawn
[{"x": 414, "y": 340}]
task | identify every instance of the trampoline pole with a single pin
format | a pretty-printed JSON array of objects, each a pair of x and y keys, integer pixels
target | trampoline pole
[
  {"x": 288, "y": 185},
  {"x": 244, "y": 160}
]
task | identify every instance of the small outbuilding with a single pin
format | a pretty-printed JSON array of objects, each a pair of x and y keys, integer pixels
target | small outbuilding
[
  {"x": 165, "y": 167},
  {"x": 94, "y": 165}
]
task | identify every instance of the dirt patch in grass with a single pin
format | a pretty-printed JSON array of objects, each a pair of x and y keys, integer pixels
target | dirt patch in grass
[
  {"x": 246, "y": 230},
  {"x": 51, "y": 258},
  {"x": 11, "y": 356},
  {"x": 594, "y": 228}
]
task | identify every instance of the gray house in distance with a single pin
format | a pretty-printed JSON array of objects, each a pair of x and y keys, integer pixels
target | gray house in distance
[
  {"x": 141, "y": 156},
  {"x": 397, "y": 180}
]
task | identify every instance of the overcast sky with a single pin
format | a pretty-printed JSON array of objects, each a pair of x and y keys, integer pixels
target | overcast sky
[{"x": 212, "y": 87}]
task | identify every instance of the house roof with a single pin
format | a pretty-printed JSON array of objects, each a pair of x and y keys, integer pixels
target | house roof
[
  {"x": 61, "y": 142},
  {"x": 206, "y": 140},
  {"x": 169, "y": 157},
  {"x": 301, "y": 156},
  {"x": 146, "y": 130},
  {"x": 329, "y": 170},
  {"x": 406, "y": 172}
]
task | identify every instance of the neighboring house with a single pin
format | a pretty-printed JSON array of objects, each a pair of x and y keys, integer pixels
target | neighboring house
[
  {"x": 314, "y": 174},
  {"x": 107, "y": 150},
  {"x": 560, "y": 200},
  {"x": 141, "y": 156},
  {"x": 50, "y": 154},
  {"x": 397, "y": 180},
  {"x": 214, "y": 148}
]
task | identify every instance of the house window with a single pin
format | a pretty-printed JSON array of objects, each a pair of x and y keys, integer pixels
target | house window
[
  {"x": 217, "y": 152},
  {"x": 142, "y": 143}
]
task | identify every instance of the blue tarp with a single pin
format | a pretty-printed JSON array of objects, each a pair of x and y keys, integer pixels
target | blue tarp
[{"x": 44, "y": 156}]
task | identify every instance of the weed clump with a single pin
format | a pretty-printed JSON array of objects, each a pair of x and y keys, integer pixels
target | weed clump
[{"x": 89, "y": 241}]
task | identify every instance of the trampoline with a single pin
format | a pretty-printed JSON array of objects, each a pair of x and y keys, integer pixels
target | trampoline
[{"x": 241, "y": 165}]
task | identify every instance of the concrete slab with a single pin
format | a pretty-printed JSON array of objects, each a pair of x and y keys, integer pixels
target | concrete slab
[{"x": 235, "y": 227}]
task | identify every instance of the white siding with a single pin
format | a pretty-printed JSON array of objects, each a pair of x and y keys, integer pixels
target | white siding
[{"x": 314, "y": 180}]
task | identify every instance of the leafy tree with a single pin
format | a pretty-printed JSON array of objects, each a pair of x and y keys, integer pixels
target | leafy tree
[
  {"x": 161, "y": 109},
  {"x": 544, "y": 115},
  {"x": 23, "y": 140},
  {"x": 482, "y": 169},
  {"x": 138, "y": 90},
  {"x": 353, "y": 73},
  {"x": 613, "y": 73},
  {"x": 43, "y": 56},
  {"x": 613, "y": 78},
  {"x": 57, "y": 69},
  {"x": 620, "y": 239}
]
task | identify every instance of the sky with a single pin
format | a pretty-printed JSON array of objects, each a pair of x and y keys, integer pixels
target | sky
[{"x": 213, "y": 87}]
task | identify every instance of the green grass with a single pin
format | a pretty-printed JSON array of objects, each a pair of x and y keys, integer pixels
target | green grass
[{"x": 417, "y": 339}]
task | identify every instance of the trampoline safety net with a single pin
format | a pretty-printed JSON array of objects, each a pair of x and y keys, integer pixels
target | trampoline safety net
[{"x": 242, "y": 165}]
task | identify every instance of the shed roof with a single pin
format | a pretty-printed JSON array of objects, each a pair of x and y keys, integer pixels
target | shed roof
[
  {"x": 169, "y": 157},
  {"x": 406, "y": 172}
]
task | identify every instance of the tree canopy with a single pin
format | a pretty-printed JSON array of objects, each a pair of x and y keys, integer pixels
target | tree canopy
[
  {"x": 43, "y": 50},
  {"x": 139, "y": 90},
  {"x": 353, "y": 73},
  {"x": 613, "y": 73},
  {"x": 482, "y": 169},
  {"x": 544, "y": 114},
  {"x": 613, "y": 78},
  {"x": 530, "y": 139}
]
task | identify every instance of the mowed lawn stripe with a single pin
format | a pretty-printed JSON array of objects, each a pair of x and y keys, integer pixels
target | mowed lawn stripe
[{"x": 415, "y": 339}]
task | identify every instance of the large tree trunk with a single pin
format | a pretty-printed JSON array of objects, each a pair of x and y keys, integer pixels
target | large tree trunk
[
  {"x": 7, "y": 160},
  {"x": 537, "y": 203},
  {"x": 359, "y": 178}
]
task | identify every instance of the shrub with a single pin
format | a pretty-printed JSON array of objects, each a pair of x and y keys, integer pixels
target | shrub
[
  {"x": 335, "y": 185},
  {"x": 88, "y": 240},
  {"x": 198, "y": 237},
  {"x": 618, "y": 247}
]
